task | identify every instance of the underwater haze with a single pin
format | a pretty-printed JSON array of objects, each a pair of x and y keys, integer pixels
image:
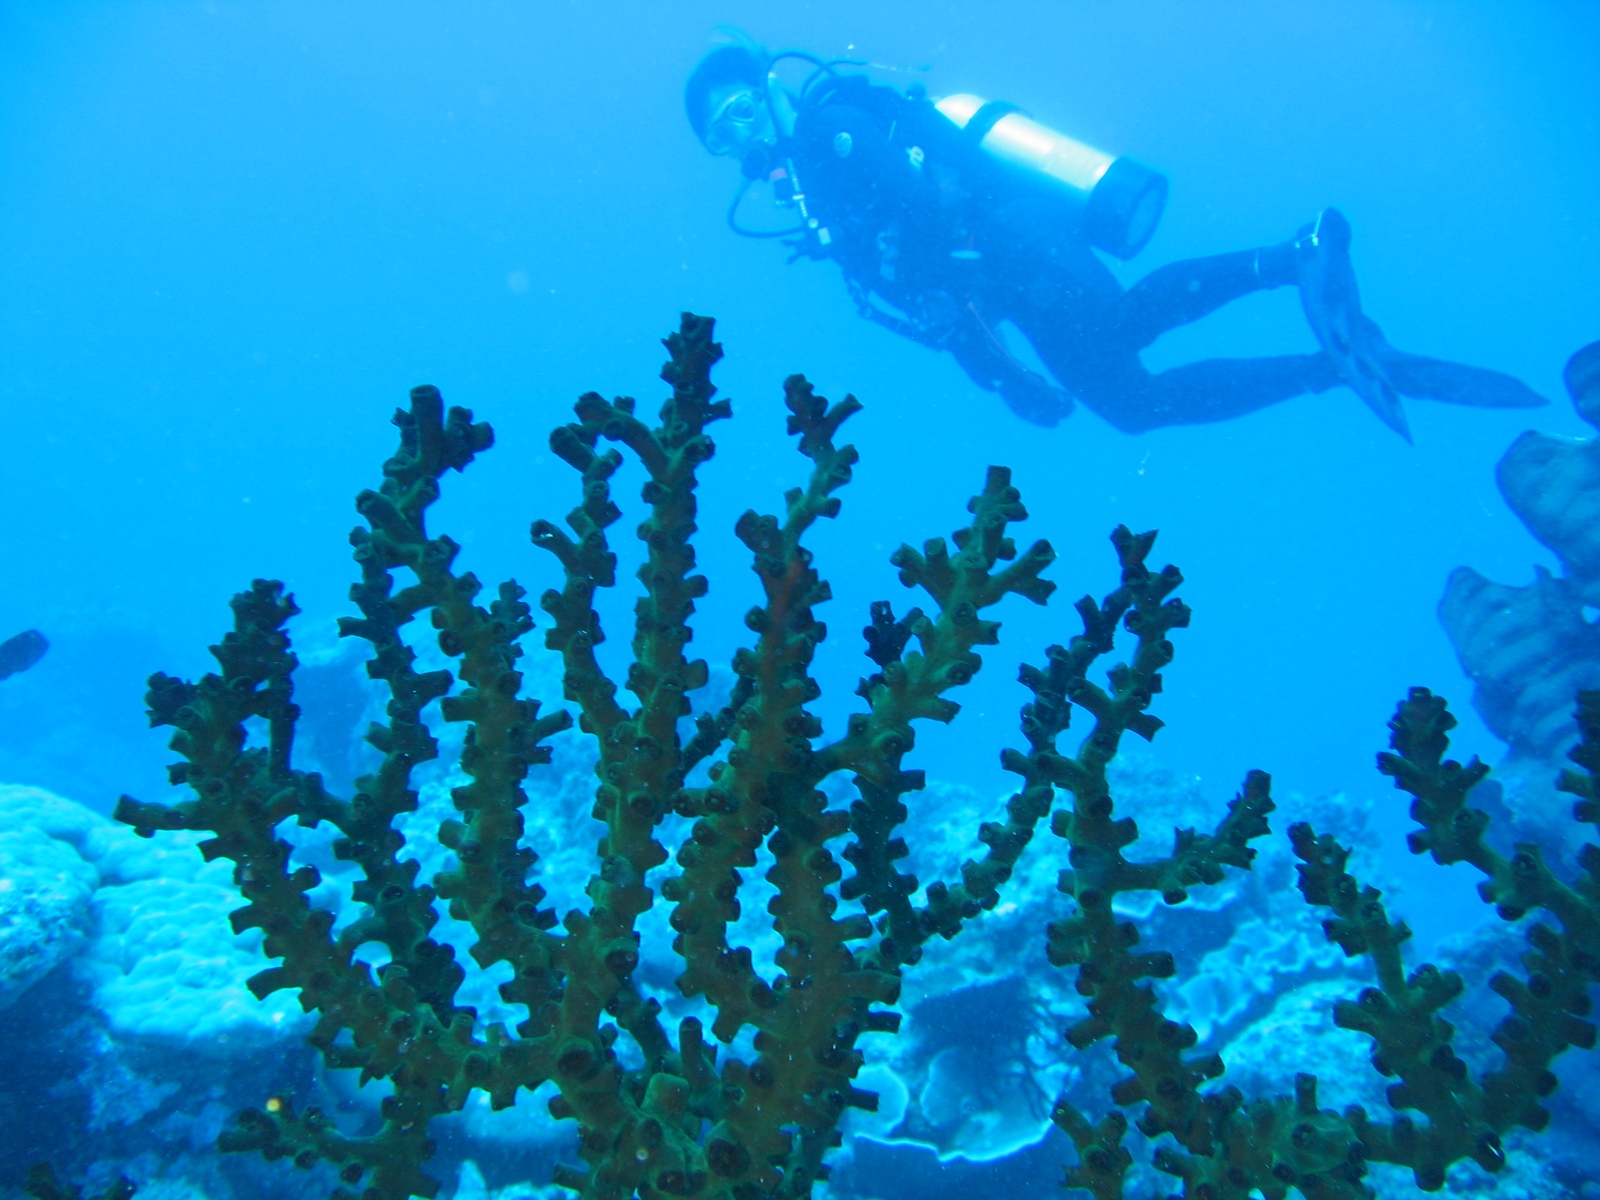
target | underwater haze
[{"x": 233, "y": 235}]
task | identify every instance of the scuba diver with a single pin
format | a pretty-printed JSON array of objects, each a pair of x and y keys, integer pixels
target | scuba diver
[{"x": 955, "y": 217}]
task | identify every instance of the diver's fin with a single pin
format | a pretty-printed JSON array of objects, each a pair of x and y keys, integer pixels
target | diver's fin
[
  {"x": 1332, "y": 305},
  {"x": 1379, "y": 393},
  {"x": 1454, "y": 383}
]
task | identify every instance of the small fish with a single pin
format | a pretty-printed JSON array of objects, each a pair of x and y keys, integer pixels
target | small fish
[{"x": 21, "y": 652}]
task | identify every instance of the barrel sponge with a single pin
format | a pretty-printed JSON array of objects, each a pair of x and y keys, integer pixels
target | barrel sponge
[{"x": 1530, "y": 649}]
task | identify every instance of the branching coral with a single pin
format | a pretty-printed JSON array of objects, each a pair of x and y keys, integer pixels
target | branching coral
[
  {"x": 1230, "y": 1147},
  {"x": 664, "y": 1112},
  {"x": 43, "y": 1185},
  {"x": 686, "y": 1121}
]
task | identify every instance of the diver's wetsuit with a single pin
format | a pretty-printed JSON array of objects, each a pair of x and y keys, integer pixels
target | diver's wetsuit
[{"x": 921, "y": 219}]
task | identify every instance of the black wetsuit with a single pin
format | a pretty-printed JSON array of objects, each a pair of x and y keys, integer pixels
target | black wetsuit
[{"x": 955, "y": 244}]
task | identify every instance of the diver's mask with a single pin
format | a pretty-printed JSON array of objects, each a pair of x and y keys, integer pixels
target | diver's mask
[
  {"x": 741, "y": 127},
  {"x": 738, "y": 124}
]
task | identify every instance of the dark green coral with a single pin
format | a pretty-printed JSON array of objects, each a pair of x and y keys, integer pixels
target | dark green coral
[
  {"x": 688, "y": 1121},
  {"x": 403, "y": 1025},
  {"x": 693, "y": 1120},
  {"x": 1225, "y": 1146},
  {"x": 42, "y": 1184}
]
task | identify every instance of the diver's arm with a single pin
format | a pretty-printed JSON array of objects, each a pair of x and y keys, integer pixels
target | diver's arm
[
  {"x": 991, "y": 366},
  {"x": 980, "y": 353},
  {"x": 868, "y": 306}
]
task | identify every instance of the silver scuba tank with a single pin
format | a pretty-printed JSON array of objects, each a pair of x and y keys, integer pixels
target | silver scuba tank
[{"x": 1120, "y": 199}]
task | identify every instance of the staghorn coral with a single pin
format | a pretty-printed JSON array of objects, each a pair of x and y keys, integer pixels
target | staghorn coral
[
  {"x": 1229, "y": 1147},
  {"x": 664, "y": 1115},
  {"x": 687, "y": 1120}
]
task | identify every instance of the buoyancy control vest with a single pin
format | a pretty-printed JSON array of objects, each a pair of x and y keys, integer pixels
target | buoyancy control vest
[{"x": 1116, "y": 200}]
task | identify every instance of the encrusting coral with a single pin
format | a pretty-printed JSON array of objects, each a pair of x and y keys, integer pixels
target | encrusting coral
[{"x": 664, "y": 1115}]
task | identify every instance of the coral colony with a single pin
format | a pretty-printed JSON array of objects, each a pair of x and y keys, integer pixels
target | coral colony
[{"x": 672, "y": 1112}]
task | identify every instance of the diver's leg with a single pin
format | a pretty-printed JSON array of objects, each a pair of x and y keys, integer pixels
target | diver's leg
[
  {"x": 1181, "y": 292},
  {"x": 1216, "y": 389},
  {"x": 1374, "y": 369}
]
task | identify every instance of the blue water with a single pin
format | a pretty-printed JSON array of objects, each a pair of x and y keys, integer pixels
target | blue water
[{"x": 233, "y": 234}]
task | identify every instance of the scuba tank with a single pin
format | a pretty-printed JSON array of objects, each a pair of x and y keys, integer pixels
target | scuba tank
[{"x": 1120, "y": 199}]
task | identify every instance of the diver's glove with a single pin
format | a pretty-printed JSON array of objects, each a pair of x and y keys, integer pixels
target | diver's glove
[{"x": 1035, "y": 400}]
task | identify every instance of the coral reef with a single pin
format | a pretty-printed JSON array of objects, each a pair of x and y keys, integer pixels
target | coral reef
[
  {"x": 46, "y": 890},
  {"x": 679, "y": 1121},
  {"x": 157, "y": 1087},
  {"x": 747, "y": 784}
]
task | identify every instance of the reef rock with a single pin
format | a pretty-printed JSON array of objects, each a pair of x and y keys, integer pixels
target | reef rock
[
  {"x": 1298, "y": 1034},
  {"x": 166, "y": 969},
  {"x": 46, "y": 886},
  {"x": 163, "y": 965},
  {"x": 144, "y": 924},
  {"x": 116, "y": 959}
]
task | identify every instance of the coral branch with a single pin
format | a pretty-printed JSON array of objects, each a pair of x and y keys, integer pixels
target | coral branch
[
  {"x": 405, "y": 1025},
  {"x": 682, "y": 1122},
  {"x": 1109, "y": 974},
  {"x": 42, "y": 1184},
  {"x": 670, "y": 1113},
  {"x": 1466, "y": 1118},
  {"x": 1231, "y": 1146}
]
